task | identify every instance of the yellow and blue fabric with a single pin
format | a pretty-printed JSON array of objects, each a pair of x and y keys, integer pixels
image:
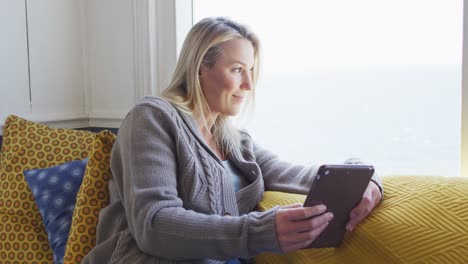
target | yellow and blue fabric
[
  {"x": 92, "y": 196},
  {"x": 55, "y": 190},
  {"x": 29, "y": 145}
]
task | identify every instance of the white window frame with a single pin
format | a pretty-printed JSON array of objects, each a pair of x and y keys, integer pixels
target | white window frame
[
  {"x": 167, "y": 23},
  {"x": 464, "y": 98}
]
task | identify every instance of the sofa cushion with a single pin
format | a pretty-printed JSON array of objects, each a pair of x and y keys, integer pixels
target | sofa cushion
[
  {"x": 92, "y": 197},
  {"x": 55, "y": 190},
  {"x": 28, "y": 145},
  {"x": 422, "y": 219}
]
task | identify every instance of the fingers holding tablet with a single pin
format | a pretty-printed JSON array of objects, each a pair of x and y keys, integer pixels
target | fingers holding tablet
[
  {"x": 370, "y": 199},
  {"x": 341, "y": 188},
  {"x": 297, "y": 227}
]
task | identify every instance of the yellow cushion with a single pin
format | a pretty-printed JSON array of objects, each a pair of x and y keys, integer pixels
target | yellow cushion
[
  {"x": 27, "y": 145},
  {"x": 92, "y": 197},
  {"x": 422, "y": 219}
]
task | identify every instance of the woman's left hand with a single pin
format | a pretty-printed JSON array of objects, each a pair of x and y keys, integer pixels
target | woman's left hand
[{"x": 370, "y": 199}]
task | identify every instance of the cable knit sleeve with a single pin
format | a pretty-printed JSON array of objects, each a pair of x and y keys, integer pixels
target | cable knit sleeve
[
  {"x": 284, "y": 176},
  {"x": 145, "y": 167}
]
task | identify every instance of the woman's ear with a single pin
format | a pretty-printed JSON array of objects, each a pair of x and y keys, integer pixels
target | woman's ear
[
  {"x": 200, "y": 70},
  {"x": 200, "y": 75}
]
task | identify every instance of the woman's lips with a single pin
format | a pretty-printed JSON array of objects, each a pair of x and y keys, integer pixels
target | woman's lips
[{"x": 239, "y": 97}]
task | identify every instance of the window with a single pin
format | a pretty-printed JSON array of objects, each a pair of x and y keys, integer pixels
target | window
[{"x": 378, "y": 80}]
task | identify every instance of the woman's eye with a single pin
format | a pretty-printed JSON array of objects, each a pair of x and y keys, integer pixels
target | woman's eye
[{"x": 238, "y": 70}]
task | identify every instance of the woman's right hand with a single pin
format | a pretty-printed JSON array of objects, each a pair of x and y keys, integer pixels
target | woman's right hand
[{"x": 298, "y": 226}]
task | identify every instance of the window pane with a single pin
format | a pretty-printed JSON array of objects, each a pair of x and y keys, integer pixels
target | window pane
[{"x": 379, "y": 80}]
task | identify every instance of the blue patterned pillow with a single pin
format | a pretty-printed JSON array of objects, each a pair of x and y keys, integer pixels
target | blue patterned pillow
[{"x": 55, "y": 190}]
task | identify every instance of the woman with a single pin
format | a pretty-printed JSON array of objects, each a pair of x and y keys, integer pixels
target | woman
[{"x": 186, "y": 184}]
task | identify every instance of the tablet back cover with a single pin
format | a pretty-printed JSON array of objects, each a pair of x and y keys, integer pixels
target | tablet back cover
[{"x": 340, "y": 188}]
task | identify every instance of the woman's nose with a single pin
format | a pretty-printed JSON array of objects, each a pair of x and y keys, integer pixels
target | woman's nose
[{"x": 247, "y": 83}]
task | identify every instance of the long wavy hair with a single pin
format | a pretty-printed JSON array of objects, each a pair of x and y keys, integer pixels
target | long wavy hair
[{"x": 202, "y": 46}]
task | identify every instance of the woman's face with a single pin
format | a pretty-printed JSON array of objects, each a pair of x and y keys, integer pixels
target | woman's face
[{"x": 228, "y": 82}]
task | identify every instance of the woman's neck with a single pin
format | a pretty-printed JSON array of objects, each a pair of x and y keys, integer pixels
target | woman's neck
[
  {"x": 205, "y": 122},
  {"x": 204, "y": 126}
]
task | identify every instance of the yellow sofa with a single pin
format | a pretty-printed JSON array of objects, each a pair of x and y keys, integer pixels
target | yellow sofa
[{"x": 421, "y": 219}]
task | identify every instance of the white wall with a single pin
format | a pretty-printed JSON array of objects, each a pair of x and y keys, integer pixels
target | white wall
[
  {"x": 42, "y": 66},
  {"x": 90, "y": 61},
  {"x": 81, "y": 61},
  {"x": 110, "y": 60},
  {"x": 56, "y": 59},
  {"x": 14, "y": 84}
]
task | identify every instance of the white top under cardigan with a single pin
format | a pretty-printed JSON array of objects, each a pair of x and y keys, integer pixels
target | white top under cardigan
[{"x": 171, "y": 200}]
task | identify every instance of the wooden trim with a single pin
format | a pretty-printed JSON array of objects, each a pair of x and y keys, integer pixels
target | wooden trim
[
  {"x": 165, "y": 46},
  {"x": 113, "y": 120},
  {"x": 464, "y": 99},
  {"x": 85, "y": 45},
  {"x": 141, "y": 49}
]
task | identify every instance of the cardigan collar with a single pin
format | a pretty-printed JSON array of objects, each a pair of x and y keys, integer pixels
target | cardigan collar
[{"x": 189, "y": 121}]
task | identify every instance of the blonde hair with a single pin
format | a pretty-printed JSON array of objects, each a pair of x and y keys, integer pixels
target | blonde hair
[{"x": 202, "y": 46}]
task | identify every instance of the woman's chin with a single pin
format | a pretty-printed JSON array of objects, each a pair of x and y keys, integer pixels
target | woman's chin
[{"x": 232, "y": 112}]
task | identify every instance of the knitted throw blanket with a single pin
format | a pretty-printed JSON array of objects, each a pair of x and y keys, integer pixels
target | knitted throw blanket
[{"x": 422, "y": 219}]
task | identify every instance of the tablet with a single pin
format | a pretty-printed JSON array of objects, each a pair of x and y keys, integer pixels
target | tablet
[{"x": 340, "y": 188}]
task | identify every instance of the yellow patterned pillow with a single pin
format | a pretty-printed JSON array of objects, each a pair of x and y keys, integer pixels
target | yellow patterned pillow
[
  {"x": 27, "y": 145},
  {"x": 92, "y": 197},
  {"x": 422, "y": 219}
]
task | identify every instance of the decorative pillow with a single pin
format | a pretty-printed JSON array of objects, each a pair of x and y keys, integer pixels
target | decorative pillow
[
  {"x": 55, "y": 190},
  {"x": 27, "y": 145},
  {"x": 422, "y": 219},
  {"x": 92, "y": 197}
]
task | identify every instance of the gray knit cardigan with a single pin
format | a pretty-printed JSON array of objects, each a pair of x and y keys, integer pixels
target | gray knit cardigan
[{"x": 172, "y": 201}]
